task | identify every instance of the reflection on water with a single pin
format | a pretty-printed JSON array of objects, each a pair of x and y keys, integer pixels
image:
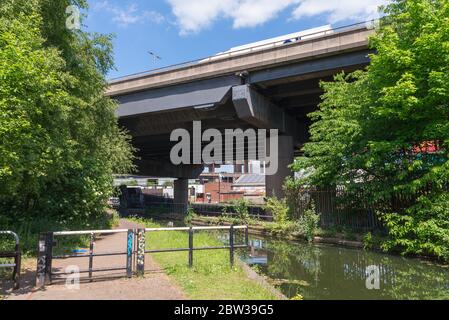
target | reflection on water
[{"x": 329, "y": 272}]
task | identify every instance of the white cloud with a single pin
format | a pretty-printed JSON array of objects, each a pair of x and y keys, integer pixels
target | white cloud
[
  {"x": 195, "y": 15},
  {"x": 339, "y": 10},
  {"x": 129, "y": 15},
  {"x": 250, "y": 13}
]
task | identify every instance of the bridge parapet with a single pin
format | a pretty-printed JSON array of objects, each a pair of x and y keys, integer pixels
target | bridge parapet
[{"x": 352, "y": 38}]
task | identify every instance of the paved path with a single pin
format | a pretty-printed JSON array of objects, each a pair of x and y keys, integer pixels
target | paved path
[{"x": 111, "y": 285}]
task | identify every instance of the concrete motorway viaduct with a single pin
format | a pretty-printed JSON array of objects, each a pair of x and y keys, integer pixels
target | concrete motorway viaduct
[{"x": 268, "y": 87}]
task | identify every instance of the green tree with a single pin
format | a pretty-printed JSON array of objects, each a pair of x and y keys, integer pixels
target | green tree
[
  {"x": 59, "y": 138},
  {"x": 369, "y": 129}
]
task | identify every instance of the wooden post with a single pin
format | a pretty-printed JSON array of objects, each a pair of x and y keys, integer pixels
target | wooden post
[
  {"x": 140, "y": 252},
  {"x": 191, "y": 247}
]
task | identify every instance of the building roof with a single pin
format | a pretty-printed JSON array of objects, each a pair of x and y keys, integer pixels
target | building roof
[{"x": 251, "y": 179}]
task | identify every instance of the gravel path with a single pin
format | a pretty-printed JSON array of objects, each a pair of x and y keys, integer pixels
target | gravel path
[{"x": 156, "y": 285}]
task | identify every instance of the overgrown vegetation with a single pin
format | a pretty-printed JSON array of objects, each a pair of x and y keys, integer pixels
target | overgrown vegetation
[
  {"x": 191, "y": 214},
  {"x": 59, "y": 138},
  {"x": 278, "y": 209},
  {"x": 238, "y": 210},
  {"x": 308, "y": 223},
  {"x": 282, "y": 224},
  {"x": 212, "y": 277},
  {"x": 384, "y": 132}
]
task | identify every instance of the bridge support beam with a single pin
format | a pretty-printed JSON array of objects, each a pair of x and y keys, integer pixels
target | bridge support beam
[
  {"x": 274, "y": 183},
  {"x": 164, "y": 168},
  {"x": 181, "y": 193},
  {"x": 257, "y": 110}
]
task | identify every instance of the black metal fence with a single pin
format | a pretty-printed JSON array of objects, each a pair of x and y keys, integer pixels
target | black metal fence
[
  {"x": 205, "y": 209},
  {"x": 337, "y": 210},
  {"x": 134, "y": 253},
  {"x": 16, "y": 255},
  {"x": 168, "y": 207}
]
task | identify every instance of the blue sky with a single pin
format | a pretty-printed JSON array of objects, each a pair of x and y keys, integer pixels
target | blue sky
[{"x": 183, "y": 30}]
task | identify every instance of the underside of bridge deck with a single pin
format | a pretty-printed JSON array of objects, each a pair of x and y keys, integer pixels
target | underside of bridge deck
[{"x": 273, "y": 98}]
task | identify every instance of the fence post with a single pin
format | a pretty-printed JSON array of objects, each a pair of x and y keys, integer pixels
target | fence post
[
  {"x": 17, "y": 262},
  {"x": 41, "y": 263},
  {"x": 45, "y": 248},
  {"x": 140, "y": 252},
  {"x": 191, "y": 247},
  {"x": 91, "y": 257},
  {"x": 129, "y": 253},
  {"x": 49, "y": 254},
  {"x": 247, "y": 236},
  {"x": 231, "y": 245}
]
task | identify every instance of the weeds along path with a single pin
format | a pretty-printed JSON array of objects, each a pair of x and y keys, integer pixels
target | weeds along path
[{"x": 156, "y": 285}]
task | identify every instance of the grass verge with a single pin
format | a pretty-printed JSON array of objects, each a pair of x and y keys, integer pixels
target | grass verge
[{"x": 211, "y": 277}]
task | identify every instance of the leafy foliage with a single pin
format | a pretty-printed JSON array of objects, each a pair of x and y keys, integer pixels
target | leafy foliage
[
  {"x": 191, "y": 214},
  {"x": 372, "y": 128},
  {"x": 308, "y": 223},
  {"x": 278, "y": 209},
  {"x": 237, "y": 210},
  {"x": 59, "y": 138}
]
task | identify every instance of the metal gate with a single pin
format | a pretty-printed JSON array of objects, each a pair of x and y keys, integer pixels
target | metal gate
[
  {"x": 46, "y": 256},
  {"x": 16, "y": 254},
  {"x": 135, "y": 250}
]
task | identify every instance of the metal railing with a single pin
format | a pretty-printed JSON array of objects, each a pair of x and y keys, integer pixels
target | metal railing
[
  {"x": 135, "y": 250},
  {"x": 16, "y": 254},
  {"x": 141, "y": 245},
  {"x": 45, "y": 273},
  {"x": 370, "y": 24}
]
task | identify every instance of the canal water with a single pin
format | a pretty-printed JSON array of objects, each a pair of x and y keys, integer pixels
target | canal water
[{"x": 331, "y": 272}]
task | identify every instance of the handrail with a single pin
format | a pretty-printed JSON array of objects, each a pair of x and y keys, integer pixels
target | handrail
[
  {"x": 232, "y": 53},
  {"x": 16, "y": 254},
  {"x": 195, "y": 228},
  {"x": 86, "y": 232},
  {"x": 141, "y": 245},
  {"x": 16, "y": 237}
]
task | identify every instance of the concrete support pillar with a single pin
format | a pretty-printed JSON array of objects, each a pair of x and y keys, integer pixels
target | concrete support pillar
[
  {"x": 275, "y": 182},
  {"x": 246, "y": 167},
  {"x": 181, "y": 194}
]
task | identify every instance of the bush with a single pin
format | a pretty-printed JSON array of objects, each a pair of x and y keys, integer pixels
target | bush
[
  {"x": 191, "y": 214},
  {"x": 238, "y": 207},
  {"x": 278, "y": 209},
  {"x": 29, "y": 230},
  {"x": 423, "y": 230},
  {"x": 241, "y": 208},
  {"x": 368, "y": 241},
  {"x": 308, "y": 223}
]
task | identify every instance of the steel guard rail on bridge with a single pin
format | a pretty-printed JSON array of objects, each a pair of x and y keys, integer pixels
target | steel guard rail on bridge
[{"x": 135, "y": 250}]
